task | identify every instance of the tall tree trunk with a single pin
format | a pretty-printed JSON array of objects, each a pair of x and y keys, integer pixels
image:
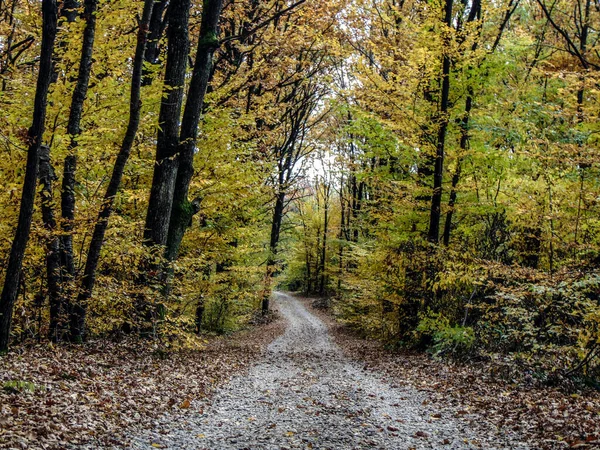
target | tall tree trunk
[
  {"x": 464, "y": 143},
  {"x": 582, "y": 165},
  {"x": 59, "y": 303},
  {"x": 58, "y": 306},
  {"x": 273, "y": 244},
  {"x": 156, "y": 28},
  {"x": 165, "y": 169},
  {"x": 95, "y": 247},
  {"x": 35, "y": 135},
  {"x": 438, "y": 172},
  {"x": 474, "y": 14},
  {"x": 74, "y": 129},
  {"x": 324, "y": 249},
  {"x": 183, "y": 210},
  {"x": 342, "y": 234}
]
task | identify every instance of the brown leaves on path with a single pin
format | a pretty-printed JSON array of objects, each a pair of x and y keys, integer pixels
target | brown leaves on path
[{"x": 73, "y": 394}]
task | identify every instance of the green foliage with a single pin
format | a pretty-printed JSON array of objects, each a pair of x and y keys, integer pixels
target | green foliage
[
  {"x": 553, "y": 322},
  {"x": 447, "y": 339}
]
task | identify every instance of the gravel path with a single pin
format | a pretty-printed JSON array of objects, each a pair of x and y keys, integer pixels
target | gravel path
[{"x": 306, "y": 394}]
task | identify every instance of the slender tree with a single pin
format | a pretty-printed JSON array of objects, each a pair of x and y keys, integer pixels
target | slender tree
[
  {"x": 77, "y": 324},
  {"x": 183, "y": 209},
  {"x": 35, "y": 135},
  {"x": 74, "y": 129},
  {"x": 433, "y": 234},
  {"x": 156, "y": 28},
  {"x": 165, "y": 170},
  {"x": 58, "y": 303},
  {"x": 474, "y": 15}
]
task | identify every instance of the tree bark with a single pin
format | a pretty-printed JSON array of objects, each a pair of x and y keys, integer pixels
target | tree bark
[
  {"x": 156, "y": 29},
  {"x": 35, "y": 136},
  {"x": 326, "y": 188},
  {"x": 74, "y": 129},
  {"x": 438, "y": 172},
  {"x": 183, "y": 210},
  {"x": 88, "y": 280},
  {"x": 165, "y": 169},
  {"x": 58, "y": 305},
  {"x": 273, "y": 243},
  {"x": 464, "y": 143}
]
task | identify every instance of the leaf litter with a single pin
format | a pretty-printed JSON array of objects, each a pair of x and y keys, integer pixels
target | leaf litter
[{"x": 102, "y": 391}]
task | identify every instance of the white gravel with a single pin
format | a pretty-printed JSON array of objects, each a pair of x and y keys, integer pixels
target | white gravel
[{"x": 306, "y": 394}]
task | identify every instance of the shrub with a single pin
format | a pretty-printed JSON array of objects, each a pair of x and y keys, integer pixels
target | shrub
[{"x": 456, "y": 340}]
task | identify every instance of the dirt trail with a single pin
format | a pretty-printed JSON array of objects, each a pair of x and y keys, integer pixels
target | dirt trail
[{"x": 306, "y": 394}]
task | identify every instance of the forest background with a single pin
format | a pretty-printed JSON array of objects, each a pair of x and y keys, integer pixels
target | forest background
[{"x": 429, "y": 167}]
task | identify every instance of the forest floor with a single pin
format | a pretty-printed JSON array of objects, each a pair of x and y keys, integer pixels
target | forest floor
[
  {"x": 305, "y": 393},
  {"x": 103, "y": 391},
  {"x": 303, "y": 381},
  {"x": 545, "y": 417}
]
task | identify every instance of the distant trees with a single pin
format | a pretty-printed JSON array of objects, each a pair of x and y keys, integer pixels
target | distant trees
[{"x": 464, "y": 139}]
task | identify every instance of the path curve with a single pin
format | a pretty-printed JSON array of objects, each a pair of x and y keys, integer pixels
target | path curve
[{"x": 306, "y": 394}]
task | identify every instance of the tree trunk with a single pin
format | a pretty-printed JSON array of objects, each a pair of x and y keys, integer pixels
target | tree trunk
[
  {"x": 273, "y": 243},
  {"x": 156, "y": 28},
  {"x": 324, "y": 249},
  {"x": 59, "y": 303},
  {"x": 464, "y": 143},
  {"x": 341, "y": 236},
  {"x": 58, "y": 306},
  {"x": 93, "y": 255},
  {"x": 74, "y": 129},
  {"x": 183, "y": 210},
  {"x": 165, "y": 169},
  {"x": 438, "y": 171},
  {"x": 35, "y": 136}
]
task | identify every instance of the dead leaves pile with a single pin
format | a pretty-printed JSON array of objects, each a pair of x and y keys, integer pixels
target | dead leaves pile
[{"x": 53, "y": 397}]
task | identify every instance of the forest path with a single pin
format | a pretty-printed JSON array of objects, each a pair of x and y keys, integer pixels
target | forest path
[{"x": 306, "y": 394}]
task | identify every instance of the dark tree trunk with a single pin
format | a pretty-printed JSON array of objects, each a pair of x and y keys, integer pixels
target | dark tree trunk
[
  {"x": 324, "y": 248},
  {"x": 199, "y": 315},
  {"x": 273, "y": 243},
  {"x": 276, "y": 224},
  {"x": 93, "y": 255},
  {"x": 59, "y": 303},
  {"x": 58, "y": 306},
  {"x": 69, "y": 10},
  {"x": 74, "y": 129},
  {"x": 464, "y": 143},
  {"x": 158, "y": 22},
  {"x": 165, "y": 169},
  {"x": 357, "y": 198},
  {"x": 474, "y": 14},
  {"x": 433, "y": 234},
  {"x": 183, "y": 210},
  {"x": 582, "y": 165},
  {"x": 341, "y": 236},
  {"x": 35, "y": 136}
]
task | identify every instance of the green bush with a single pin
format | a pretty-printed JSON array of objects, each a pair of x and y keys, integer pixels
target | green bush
[{"x": 456, "y": 340}]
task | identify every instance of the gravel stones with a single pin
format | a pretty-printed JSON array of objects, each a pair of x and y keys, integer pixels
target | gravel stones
[{"x": 306, "y": 394}]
